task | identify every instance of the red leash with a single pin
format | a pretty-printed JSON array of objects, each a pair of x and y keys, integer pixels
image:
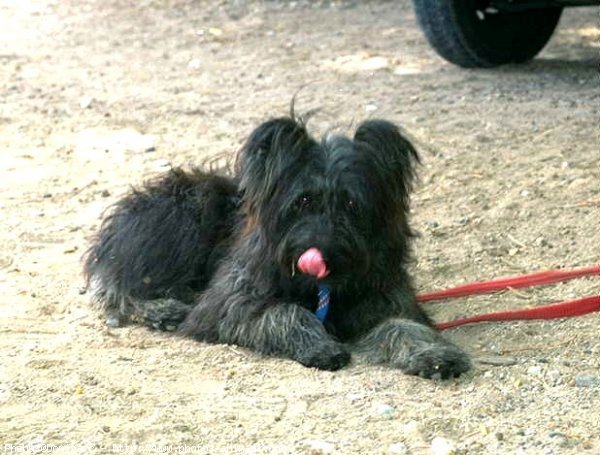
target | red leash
[{"x": 557, "y": 310}]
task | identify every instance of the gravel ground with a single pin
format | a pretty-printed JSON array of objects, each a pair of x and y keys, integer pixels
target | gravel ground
[{"x": 98, "y": 95}]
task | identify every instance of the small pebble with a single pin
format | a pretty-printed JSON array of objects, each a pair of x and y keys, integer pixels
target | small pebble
[
  {"x": 195, "y": 64},
  {"x": 214, "y": 31},
  {"x": 318, "y": 446},
  {"x": 86, "y": 102},
  {"x": 442, "y": 446},
  {"x": 355, "y": 396},
  {"x": 534, "y": 370},
  {"x": 161, "y": 163},
  {"x": 398, "y": 448},
  {"x": 554, "y": 377},
  {"x": 586, "y": 380},
  {"x": 556, "y": 434},
  {"x": 499, "y": 361},
  {"x": 112, "y": 321},
  {"x": 560, "y": 439},
  {"x": 483, "y": 138},
  {"x": 411, "y": 430},
  {"x": 383, "y": 410},
  {"x": 566, "y": 165}
]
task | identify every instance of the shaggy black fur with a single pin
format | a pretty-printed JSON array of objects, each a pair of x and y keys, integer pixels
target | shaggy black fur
[{"x": 214, "y": 257}]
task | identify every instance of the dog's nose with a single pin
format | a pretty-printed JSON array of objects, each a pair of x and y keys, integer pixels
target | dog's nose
[{"x": 311, "y": 263}]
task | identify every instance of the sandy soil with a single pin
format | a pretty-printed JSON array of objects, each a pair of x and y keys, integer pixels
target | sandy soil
[{"x": 98, "y": 95}]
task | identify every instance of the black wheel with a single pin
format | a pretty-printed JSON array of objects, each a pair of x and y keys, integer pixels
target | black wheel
[{"x": 472, "y": 33}]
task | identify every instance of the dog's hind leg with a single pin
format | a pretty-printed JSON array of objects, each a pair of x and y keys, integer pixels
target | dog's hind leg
[
  {"x": 414, "y": 348},
  {"x": 161, "y": 314},
  {"x": 106, "y": 297},
  {"x": 160, "y": 246}
]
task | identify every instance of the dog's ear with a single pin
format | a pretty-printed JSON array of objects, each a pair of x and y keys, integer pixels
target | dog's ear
[
  {"x": 392, "y": 156},
  {"x": 262, "y": 158}
]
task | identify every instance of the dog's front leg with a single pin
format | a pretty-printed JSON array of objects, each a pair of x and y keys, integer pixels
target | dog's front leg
[
  {"x": 278, "y": 329},
  {"x": 415, "y": 348},
  {"x": 290, "y": 331}
]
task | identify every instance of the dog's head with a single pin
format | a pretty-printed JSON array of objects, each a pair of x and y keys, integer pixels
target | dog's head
[{"x": 343, "y": 200}]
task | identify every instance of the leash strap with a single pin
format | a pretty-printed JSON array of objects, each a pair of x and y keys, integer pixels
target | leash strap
[
  {"x": 558, "y": 310},
  {"x": 515, "y": 282},
  {"x": 566, "y": 309}
]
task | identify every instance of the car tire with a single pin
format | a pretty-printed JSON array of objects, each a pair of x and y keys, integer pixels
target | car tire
[{"x": 471, "y": 34}]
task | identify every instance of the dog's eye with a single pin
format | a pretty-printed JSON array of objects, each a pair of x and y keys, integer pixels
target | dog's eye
[
  {"x": 351, "y": 205},
  {"x": 303, "y": 202}
]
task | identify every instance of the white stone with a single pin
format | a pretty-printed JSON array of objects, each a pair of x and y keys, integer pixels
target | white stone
[
  {"x": 442, "y": 446},
  {"x": 383, "y": 409},
  {"x": 320, "y": 446},
  {"x": 398, "y": 448}
]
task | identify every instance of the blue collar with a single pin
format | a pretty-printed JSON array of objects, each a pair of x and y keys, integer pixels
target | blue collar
[{"x": 323, "y": 306}]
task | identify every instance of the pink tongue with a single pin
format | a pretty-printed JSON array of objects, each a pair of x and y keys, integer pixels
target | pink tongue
[{"x": 311, "y": 262}]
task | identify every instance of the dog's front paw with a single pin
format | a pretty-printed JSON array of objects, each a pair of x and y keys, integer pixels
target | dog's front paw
[
  {"x": 330, "y": 356},
  {"x": 438, "y": 361}
]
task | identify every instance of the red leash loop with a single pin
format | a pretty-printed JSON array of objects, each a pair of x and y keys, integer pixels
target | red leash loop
[
  {"x": 516, "y": 282},
  {"x": 557, "y": 310}
]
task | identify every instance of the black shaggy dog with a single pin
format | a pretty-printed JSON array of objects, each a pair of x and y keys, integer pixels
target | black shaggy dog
[{"x": 243, "y": 259}]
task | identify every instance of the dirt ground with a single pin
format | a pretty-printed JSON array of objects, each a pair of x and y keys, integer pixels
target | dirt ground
[{"x": 98, "y": 95}]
